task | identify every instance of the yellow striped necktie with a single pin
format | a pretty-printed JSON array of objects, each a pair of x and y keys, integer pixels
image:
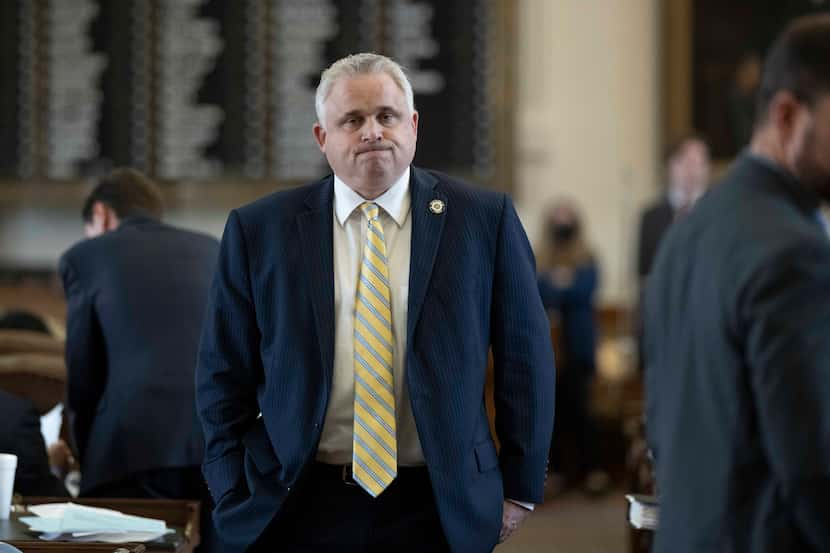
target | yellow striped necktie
[{"x": 375, "y": 450}]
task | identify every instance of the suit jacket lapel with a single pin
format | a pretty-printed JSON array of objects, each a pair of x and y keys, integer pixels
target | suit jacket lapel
[
  {"x": 316, "y": 237},
  {"x": 426, "y": 236}
]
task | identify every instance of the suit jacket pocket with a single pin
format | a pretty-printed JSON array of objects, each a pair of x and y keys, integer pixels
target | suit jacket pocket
[
  {"x": 258, "y": 446},
  {"x": 486, "y": 456},
  {"x": 223, "y": 474}
]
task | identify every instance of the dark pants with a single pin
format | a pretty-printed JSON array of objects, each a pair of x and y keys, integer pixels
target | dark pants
[
  {"x": 327, "y": 514},
  {"x": 573, "y": 450},
  {"x": 169, "y": 483}
]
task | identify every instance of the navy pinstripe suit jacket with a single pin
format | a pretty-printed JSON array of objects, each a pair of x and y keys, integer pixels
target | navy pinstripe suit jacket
[{"x": 268, "y": 346}]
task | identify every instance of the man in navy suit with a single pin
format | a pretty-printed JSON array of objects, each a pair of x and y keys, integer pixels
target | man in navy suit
[
  {"x": 342, "y": 366},
  {"x": 136, "y": 293}
]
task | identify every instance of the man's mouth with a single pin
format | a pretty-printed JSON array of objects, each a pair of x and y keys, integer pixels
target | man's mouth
[{"x": 373, "y": 149}]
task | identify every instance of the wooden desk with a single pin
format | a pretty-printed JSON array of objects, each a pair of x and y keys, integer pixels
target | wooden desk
[{"x": 180, "y": 515}]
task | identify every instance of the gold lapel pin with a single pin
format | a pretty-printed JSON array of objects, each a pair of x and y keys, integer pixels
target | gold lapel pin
[{"x": 436, "y": 206}]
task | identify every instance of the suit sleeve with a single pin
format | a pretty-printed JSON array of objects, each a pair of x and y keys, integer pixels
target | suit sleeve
[
  {"x": 786, "y": 314},
  {"x": 229, "y": 367},
  {"x": 645, "y": 251},
  {"x": 523, "y": 364},
  {"x": 85, "y": 356},
  {"x": 33, "y": 476}
]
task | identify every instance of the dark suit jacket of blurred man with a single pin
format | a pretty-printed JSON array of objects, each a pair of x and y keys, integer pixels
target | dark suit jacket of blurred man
[
  {"x": 136, "y": 300},
  {"x": 20, "y": 435},
  {"x": 654, "y": 222},
  {"x": 269, "y": 345},
  {"x": 738, "y": 376}
]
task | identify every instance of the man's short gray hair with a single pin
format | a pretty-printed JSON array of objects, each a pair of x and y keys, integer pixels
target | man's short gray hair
[{"x": 360, "y": 64}]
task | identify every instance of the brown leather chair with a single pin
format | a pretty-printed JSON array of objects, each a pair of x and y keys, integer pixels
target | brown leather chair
[
  {"x": 38, "y": 377},
  {"x": 27, "y": 341}
]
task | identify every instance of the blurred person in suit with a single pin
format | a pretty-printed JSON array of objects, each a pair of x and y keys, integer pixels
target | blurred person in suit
[
  {"x": 688, "y": 169},
  {"x": 39, "y": 471},
  {"x": 343, "y": 362},
  {"x": 568, "y": 280},
  {"x": 737, "y": 315},
  {"x": 136, "y": 291}
]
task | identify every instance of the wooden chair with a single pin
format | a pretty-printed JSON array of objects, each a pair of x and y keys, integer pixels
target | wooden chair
[{"x": 26, "y": 341}]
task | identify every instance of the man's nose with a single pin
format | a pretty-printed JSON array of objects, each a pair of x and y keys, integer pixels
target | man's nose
[{"x": 372, "y": 131}]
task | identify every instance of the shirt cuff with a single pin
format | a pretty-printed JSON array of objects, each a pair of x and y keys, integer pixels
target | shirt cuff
[{"x": 528, "y": 506}]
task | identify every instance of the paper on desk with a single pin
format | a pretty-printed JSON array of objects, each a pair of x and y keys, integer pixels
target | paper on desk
[
  {"x": 70, "y": 518},
  {"x": 106, "y": 537},
  {"x": 56, "y": 510}
]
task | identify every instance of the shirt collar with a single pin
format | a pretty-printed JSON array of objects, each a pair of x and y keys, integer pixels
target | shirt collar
[{"x": 395, "y": 201}]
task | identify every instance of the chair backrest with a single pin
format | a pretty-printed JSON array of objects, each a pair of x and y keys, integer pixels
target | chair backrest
[
  {"x": 38, "y": 377},
  {"x": 27, "y": 341}
]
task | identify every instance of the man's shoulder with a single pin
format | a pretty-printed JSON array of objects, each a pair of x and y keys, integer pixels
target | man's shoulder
[
  {"x": 658, "y": 209},
  {"x": 15, "y": 409},
  {"x": 292, "y": 200},
  {"x": 742, "y": 225},
  {"x": 79, "y": 252},
  {"x": 459, "y": 190},
  {"x": 195, "y": 236}
]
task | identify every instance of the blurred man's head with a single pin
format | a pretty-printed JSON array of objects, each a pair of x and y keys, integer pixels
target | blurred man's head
[
  {"x": 688, "y": 166},
  {"x": 793, "y": 127},
  {"x": 121, "y": 194}
]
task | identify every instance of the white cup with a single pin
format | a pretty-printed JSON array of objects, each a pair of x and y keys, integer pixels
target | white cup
[{"x": 8, "y": 465}]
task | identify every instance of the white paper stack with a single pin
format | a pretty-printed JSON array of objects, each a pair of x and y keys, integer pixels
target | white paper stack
[
  {"x": 643, "y": 511},
  {"x": 72, "y": 522}
]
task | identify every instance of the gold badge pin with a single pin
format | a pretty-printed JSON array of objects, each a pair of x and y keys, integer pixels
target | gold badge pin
[{"x": 436, "y": 206}]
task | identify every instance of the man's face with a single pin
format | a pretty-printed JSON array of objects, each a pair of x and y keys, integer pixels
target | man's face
[
  {"x": 810, "y": 147},
  {"x": 689, "y": 169},
  {"x": 368, "y": 134}
]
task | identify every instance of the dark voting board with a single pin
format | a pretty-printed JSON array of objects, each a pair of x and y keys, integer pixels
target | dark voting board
[{"x": 223, "y": 90}]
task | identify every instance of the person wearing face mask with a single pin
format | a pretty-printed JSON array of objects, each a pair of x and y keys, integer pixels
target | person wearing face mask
[{"x": 568, "y": 278}]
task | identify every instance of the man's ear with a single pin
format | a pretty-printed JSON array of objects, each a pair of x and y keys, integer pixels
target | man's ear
[
  {"x": 320, "y": 136},
  {"x": 784, "y": 111},
  {"x": 106, "y": 215},
  {"x": 415, "y": 122}
]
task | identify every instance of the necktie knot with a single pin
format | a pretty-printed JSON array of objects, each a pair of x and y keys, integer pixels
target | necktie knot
[{"x": 370, "y": 210}]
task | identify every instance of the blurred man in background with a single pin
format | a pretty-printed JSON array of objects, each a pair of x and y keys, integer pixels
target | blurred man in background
[
  {"x": 688, "y": 168},
  {"x": 136, "y": 294},
  {"x": 738, "y": 331}
]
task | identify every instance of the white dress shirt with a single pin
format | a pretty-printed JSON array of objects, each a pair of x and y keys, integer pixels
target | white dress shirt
[{"x": 350, "y": 228}]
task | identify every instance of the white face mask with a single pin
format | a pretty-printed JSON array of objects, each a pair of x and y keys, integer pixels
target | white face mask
[{"x": 680, "y": 197}]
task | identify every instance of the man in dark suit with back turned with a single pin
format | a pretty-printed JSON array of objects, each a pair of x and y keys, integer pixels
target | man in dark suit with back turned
[
  {"x": 136, "y": 294},
  {"x": 738, "y": 331},
  {"x": 355, "y": 316}
]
